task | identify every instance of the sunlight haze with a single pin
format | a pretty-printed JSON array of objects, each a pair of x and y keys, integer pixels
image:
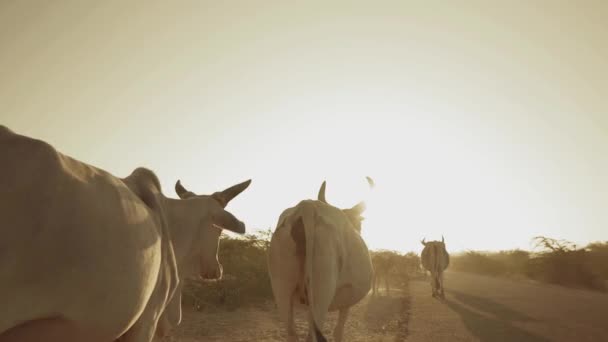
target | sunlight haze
[{"x": 485, "y": 122}]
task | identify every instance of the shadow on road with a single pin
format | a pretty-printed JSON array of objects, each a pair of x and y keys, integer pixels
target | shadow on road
[
  {"x": 496, "y": 325},
  {"x": 388, "y": 315},
  {"x": 500, "y": 311}
]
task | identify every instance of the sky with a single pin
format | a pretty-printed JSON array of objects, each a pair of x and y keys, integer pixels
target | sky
[{"x": 482, "y": 121}]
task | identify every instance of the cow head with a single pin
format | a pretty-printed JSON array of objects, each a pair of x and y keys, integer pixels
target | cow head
[
  {"x": 214, "y": 219},
  {"x": 353, "y": 214},
  {"x": 429, "y": 243}
]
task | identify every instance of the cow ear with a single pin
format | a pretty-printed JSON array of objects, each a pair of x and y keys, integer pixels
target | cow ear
[
  {"x": 355, "y": 212},
  {"x": 227, "y": 221},
  {"x": 358, "y": 209}
]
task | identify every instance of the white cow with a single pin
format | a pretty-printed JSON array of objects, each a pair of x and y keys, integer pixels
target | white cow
[
  {"x": 317, "y": 258},
  {"x": 87, "y": 256},
  {"x": 435, "y": 259}
]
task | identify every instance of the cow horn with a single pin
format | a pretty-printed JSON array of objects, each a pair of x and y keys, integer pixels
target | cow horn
[
  {"x": 442, "y": 240},
  {"x": 180, "y": 190},
  {"x": 370, "y": 181},
  {"x": 321, "y": 195},
  {"x": 423, "y": 242},
  {"x": 227, "y": 195}
]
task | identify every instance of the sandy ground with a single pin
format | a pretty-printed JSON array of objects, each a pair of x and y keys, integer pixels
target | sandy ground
[{"x": 476, "y": 308}]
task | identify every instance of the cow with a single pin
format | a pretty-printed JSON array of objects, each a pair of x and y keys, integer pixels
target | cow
[
  {"x": 384, "y": 263},
  {"x": 435, "y": 259},
  {"x": 88, "y": 256},
  {"x": 317, "y": 259}
]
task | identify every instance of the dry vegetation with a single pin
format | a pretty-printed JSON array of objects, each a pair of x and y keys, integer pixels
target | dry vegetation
[
  {"x": 246, "y": 279},
  {"x": 554, "y": 261},
  {"x": 404, "y": 267}
]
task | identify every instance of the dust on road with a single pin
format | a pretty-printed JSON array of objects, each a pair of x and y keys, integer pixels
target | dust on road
[{"x": 374, "y": 319}]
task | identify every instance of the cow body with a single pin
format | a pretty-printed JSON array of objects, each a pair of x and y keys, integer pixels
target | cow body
[
  {"x": 435, "y": 259},
  {"x": 317, "y": 259},
  {"x": 85, "y": 253}
]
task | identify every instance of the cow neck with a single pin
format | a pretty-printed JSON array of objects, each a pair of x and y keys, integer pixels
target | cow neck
[{"x": 183, "y": 224}]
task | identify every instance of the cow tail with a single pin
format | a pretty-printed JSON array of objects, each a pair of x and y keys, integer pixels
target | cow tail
[
  {"x": 437, "y": 264},
  {"x": 309, "y": 220}
]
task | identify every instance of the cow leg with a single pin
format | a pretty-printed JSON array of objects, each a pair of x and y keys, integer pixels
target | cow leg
[
  {"x": 291, "y": 326},
  {"x": 440, "y": 281},
  {"x": 374, "y": 276},
  {"x": 284, "y": 300},
  {"x": 434, "y": 284},
  {"x": 388, "y": 287},
  {"x": 375, "y": 285},
  {"x": 139, "y": 333},
  {"x": 285, "y": 291},
  {"x": 339, "y": 330},
  {"x": 439, "y": 288},
  {"x": 144, "y": 329},
  {"x": 311, "y": 328}
]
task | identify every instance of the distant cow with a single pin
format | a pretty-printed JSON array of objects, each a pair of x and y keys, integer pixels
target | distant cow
[
  {"x": 88, "y": 256},
  {"x": 383, "y": 263},
  {"x": 317, "y": 258},
  {"x": 435, "y": 259}
]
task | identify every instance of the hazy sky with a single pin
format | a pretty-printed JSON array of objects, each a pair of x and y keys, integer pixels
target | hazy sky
[{"x": 485, "y": 121}]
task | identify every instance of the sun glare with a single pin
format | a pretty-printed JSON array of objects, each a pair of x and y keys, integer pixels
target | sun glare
[{"x": 462, "y": 141}]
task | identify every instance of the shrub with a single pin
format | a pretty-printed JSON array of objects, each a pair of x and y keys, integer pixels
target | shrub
[
  {"x": 245, "y": 280},
  {"x": 556, "y": 261},
  {"x": 403, "y": 266},
  {"x": 598, "y": 258},
  {"x": 560, "y": 262},
  {"x": 480, "y": 263}
]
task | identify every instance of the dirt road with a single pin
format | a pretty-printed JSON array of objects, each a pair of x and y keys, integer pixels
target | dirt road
[{"x": 476, "y": 308}]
